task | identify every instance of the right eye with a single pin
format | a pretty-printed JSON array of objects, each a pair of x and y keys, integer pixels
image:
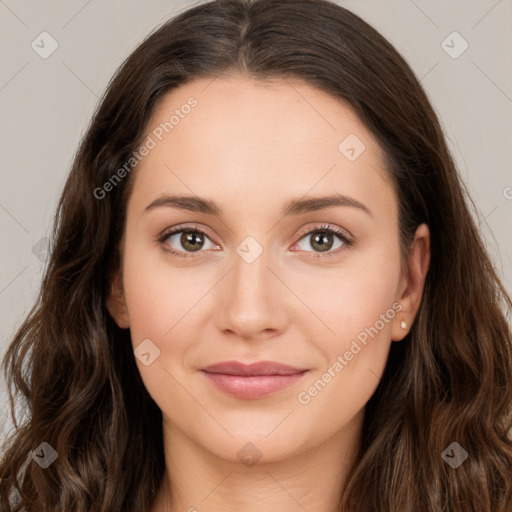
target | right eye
[{"x": 190, "y": 238}]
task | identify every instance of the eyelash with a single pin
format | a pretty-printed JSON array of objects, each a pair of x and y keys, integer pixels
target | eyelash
[{"x": 348, "y": 242}]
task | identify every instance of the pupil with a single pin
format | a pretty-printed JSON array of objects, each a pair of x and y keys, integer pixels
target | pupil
[
  {"x": 322, "y": 238},
  {"x": 192, "y": 239}
]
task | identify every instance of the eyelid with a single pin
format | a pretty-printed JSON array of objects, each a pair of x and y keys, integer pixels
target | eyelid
[
  {"x": 167, "y": 232},
  {"x": 325, "y": 226}
]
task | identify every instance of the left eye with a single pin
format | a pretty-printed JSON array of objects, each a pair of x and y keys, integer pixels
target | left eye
[{"x": 323, "y": 240}]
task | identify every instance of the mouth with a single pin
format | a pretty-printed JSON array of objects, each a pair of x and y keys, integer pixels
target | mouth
[{"x": 252, "y": 381}]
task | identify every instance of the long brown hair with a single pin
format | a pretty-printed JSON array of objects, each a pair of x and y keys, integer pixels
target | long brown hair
[{"x": 449, "y": 381}]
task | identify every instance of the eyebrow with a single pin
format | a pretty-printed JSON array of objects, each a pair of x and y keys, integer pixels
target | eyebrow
[{"x": 292, "y": 207}]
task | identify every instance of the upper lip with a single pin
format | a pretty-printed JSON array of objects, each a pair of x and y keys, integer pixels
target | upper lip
[{"x": 257, "y": 368}]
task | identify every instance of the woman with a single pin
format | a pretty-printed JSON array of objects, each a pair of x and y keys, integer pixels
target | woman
[{"x": 263, "y": 203}]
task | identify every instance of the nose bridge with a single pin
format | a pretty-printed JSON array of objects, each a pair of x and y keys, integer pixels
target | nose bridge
[
  {"x": 251, "y": 303},
  {"x": 251, "y": 278},
  {"x": 250, "y": 273}
]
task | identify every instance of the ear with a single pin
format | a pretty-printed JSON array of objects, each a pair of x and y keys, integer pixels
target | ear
[
  {"x": 116, "y": 302},
  {"x": 412, "y": 284}
]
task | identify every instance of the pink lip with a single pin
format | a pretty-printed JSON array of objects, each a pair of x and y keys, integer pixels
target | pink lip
[{"x": 254, "y": 380}]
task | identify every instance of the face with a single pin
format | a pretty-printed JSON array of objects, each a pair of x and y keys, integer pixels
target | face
[{"x": 258, "y": 268}]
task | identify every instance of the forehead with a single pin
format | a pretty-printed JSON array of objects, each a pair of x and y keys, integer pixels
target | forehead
[{"x": 259, "y": 137}]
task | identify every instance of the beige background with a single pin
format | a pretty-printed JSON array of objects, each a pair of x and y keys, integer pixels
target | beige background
[{"x": 45, "y": 106}]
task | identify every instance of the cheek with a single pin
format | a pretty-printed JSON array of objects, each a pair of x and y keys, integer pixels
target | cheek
[
  {"x": 159, "y": 293},
  {"x": 348, "y": 300},
  {"x": 355, "y": 303},
  {"x": 163, "y": 304}
]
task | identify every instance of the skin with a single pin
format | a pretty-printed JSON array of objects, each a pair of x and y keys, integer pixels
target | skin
[{"x": 251, "y": 147}]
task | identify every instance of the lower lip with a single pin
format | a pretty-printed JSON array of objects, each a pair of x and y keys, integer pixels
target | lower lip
[{"x": 253, "y": 386}]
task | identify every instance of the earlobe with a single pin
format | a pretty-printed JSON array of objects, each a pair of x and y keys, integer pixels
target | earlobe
[
  {"x": 400, "y": 326},
  {"x": 116, "y": 303},
  {"x": 417, "y": 268}
]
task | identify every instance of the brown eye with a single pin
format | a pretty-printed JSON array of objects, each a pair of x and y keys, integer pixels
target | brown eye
[
  {"x": 323, "y": 240},
  {"x": 185, "y": 241},
  {"x": 192, "y": 240}
]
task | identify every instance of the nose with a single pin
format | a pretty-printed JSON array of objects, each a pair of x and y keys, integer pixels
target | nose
[{"x": 253, "y": 301}]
